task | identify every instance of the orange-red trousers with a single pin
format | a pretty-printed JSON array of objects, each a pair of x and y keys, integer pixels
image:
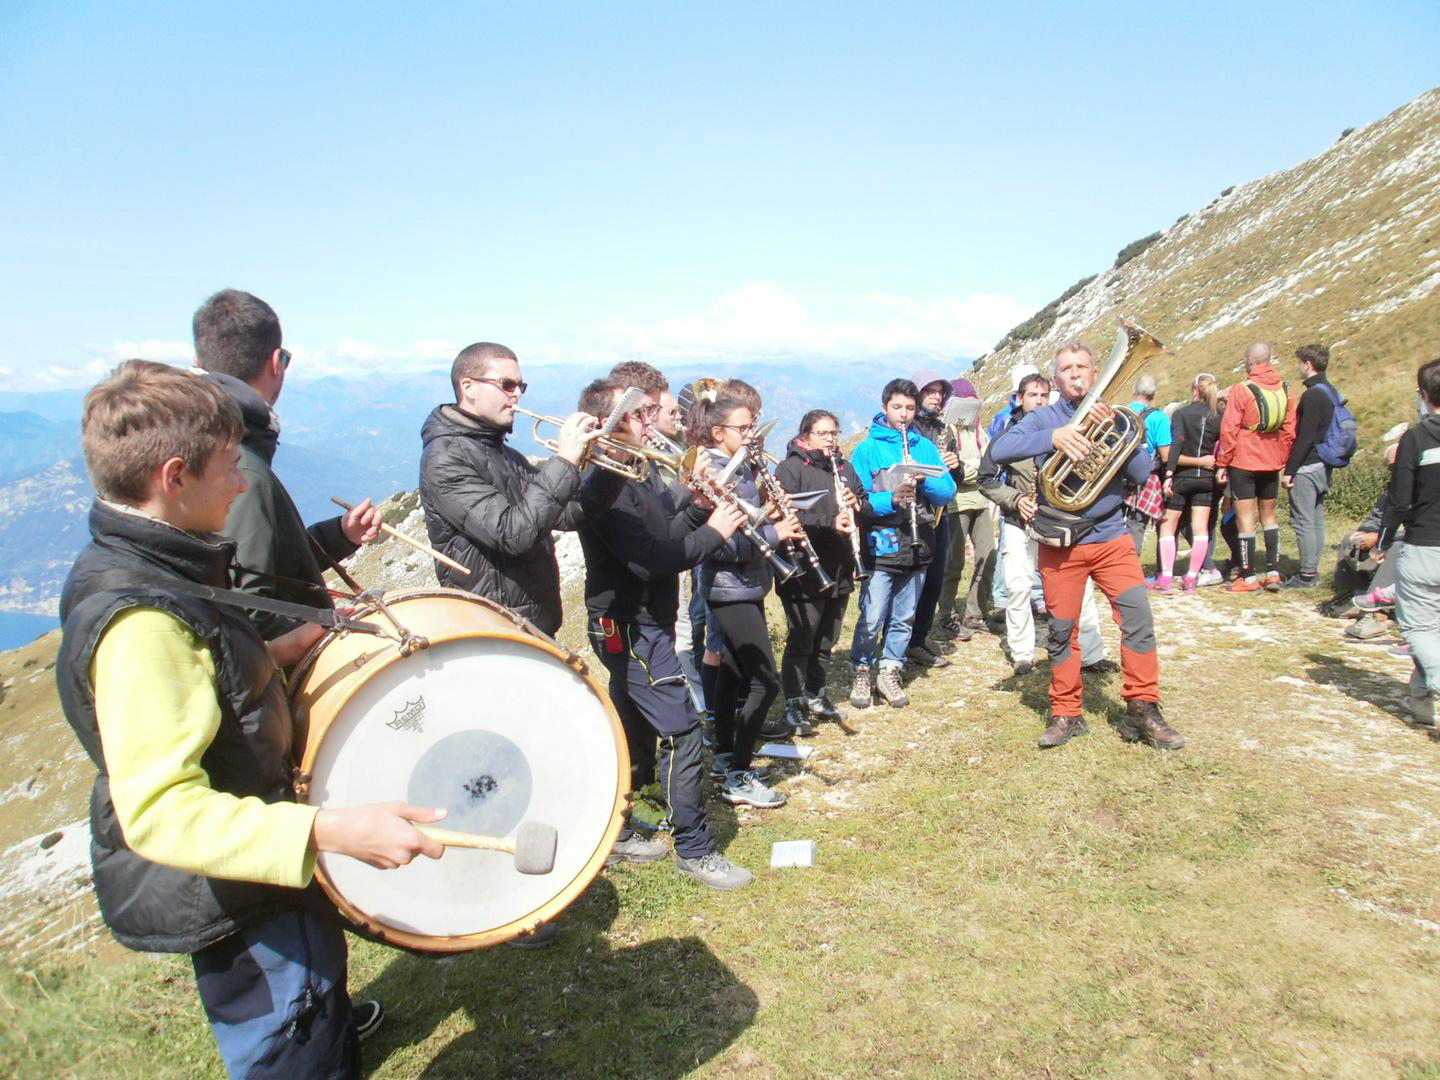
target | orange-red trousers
[{"x": 1115, "y": 569}]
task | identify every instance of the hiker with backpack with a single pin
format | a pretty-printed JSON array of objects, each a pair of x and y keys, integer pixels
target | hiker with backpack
[
  {"x": 1256, "y": 431},
  {"x": 1324, "y": 440}
]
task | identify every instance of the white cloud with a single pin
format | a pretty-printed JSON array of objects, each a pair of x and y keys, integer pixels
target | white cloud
[
  {"x": 763, "y": 319},
  {"x": 758, "y": 321}
]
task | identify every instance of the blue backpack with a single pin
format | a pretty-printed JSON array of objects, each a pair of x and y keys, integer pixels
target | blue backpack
[{"x": 1337, "y": 446}]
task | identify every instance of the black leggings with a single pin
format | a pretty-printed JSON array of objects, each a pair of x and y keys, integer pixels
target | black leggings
[
  {"x": 814, "y": 625},
  {"x": 747, "y": 661}
]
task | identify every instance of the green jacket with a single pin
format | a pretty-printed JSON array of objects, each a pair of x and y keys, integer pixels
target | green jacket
[{"x": 269, "y": 535}]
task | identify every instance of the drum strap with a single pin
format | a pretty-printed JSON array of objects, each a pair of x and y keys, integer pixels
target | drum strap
[{"x": 327, "y": 617}]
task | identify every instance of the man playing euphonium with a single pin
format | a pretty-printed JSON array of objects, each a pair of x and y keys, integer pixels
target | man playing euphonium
[{"x": 1101, "y": 549}]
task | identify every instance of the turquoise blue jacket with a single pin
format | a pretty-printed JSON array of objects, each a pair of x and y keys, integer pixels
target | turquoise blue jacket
[{"x": 887, "y": 539}]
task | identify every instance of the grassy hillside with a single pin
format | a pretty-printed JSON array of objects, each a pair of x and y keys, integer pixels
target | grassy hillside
[
  {"x": 1261, "y": 904},
  {"x": 1343, "y": 249}
]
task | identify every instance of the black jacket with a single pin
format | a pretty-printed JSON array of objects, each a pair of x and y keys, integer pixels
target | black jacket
[
  {"x": 1415, "y": 487},
  {"x": 736, "y": 570},
  {"x": 636, "y": 550},
  {"x": 1313, "y": 413},
  {"x": 1194, "y": 432},
  {"x": 492, "y": 511},
  {"x": 266, "y": 527},
  {"x": 808, "y": 470},
  {"x": 133, "y": 561}
]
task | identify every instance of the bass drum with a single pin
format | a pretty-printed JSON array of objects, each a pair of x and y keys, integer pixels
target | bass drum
[{"x": 494, "y": 722}]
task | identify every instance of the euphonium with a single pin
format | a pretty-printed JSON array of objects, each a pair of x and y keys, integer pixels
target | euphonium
[{"x": 1073, "y": 485}]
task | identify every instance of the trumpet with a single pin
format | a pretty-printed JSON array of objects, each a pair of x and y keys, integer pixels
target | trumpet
[{"x": 622, "y": 457}]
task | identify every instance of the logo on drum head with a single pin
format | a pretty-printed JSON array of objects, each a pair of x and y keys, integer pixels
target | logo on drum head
[{"x": 408, "y": 717}]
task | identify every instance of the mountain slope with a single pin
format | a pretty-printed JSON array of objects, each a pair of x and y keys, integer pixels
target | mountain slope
[{"x": 1343, "y": 249}]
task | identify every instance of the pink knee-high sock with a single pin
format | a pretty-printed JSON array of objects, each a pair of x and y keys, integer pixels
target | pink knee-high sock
[
  {"x": 1199, "y": 547},
  {"x": 1167, "y": 556}
]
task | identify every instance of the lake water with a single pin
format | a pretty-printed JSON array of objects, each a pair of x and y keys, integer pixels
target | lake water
[{"x": 17, "y": 630}]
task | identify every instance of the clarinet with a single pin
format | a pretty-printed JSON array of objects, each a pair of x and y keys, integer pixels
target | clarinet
[
  {"x": 835, "y": 463},
  {"x": 706, "y": 486},
  {"x": 905, "y": 459},
  {"x": 781, "y": 498}
]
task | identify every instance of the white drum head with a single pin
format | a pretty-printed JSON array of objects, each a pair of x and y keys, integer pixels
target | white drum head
[{"x": 498, "y": 733}]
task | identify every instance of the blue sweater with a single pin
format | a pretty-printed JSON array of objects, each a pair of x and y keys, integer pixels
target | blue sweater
[{"x": 1030, "y": 438}]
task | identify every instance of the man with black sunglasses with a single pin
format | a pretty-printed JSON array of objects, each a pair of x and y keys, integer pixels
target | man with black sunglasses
[{"x": 486, "y": 505}]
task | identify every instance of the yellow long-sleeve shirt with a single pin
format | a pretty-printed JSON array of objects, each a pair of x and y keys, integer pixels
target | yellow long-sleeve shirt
[{"x": 157, "y": 705}]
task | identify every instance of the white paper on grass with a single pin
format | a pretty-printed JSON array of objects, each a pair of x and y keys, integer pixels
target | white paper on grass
[
  {"x": 786, "y": 853},
  {"x": 786, "y": 750}
]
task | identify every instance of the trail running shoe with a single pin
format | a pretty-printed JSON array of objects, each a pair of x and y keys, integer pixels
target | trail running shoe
[
  {"x": 1273, "y": 581},
  {"x": 745, "y": 789},
  {"x": 1208, "y": 578},
  {"x": 367, "y": 1017},
  {"x": 1163, "y": 583},
  {"x": 1244, "y": 585},
  {"x": 1375, "y": 599}
]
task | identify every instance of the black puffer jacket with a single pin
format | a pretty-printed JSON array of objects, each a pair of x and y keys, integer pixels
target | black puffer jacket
[
  {"x": 636, "y": 550},
  {"x": 808, "y": 470},
  {"x": 266, "y": 527},
  {"x": 492, "y": 511},
  {"x": 133, "y": 561}
]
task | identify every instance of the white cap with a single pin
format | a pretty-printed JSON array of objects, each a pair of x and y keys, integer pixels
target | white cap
[{"x": 1018, "y": 372}]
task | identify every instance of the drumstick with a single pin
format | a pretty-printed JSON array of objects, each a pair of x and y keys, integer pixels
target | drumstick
[
  {"x": 416, "y": 544},
  {"x": 533, "y": 846}
]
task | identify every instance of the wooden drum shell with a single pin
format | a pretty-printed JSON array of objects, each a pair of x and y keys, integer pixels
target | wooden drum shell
[{"x": 343, "y": 663}]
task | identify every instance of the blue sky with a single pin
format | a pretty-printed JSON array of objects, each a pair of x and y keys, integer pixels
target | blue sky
[{"x": 589, "y": 181}]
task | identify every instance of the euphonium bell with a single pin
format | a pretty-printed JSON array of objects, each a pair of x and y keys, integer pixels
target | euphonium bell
[{"x": 1073, "y": 485}]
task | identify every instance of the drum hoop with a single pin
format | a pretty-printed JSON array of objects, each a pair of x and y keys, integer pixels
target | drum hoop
[{"x": 578, "y": 884}]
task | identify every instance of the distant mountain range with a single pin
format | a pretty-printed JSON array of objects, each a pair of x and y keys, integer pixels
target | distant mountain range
[{"x": 345, "y": 437}]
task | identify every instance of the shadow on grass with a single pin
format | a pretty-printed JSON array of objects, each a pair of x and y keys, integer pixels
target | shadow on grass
[
  {"x": 580, "y": 1007},
  {"x": 1383, "y": 691}
]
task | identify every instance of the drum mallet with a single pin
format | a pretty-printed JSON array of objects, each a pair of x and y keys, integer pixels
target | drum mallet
[
  {"x": 416, "y": 544},
  {"x": 533, "y": 846}
]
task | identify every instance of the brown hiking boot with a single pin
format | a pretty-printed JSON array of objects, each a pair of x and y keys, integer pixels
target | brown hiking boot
[
  {"x": 1061, "y": 730},
  {"x": 1143, "y": 723}
]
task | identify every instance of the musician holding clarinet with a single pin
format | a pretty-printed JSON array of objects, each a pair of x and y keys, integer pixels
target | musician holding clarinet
[
  {"x": 734, "y": 580},
  {"x": 906, "y": 482},
  {"x": 833, "y": 523}
]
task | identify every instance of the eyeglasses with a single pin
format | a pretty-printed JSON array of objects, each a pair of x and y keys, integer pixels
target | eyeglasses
[
  {"x": 1203, "y": 375},
  {"x": 507, "y": 386},
  {"x": 737, "y": 427},
  {"x": 649, "y": 412},
  {"x": 824, "y": 433},
  {"x": 284, "y": 359}
]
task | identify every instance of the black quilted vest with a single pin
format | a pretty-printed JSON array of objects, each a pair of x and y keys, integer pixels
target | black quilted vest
[{"x": 127, "y": 564}]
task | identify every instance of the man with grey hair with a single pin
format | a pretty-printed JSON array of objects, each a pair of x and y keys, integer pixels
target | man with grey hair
[
  {"x": 1145, "y": 503},
  {"x": 1091, "y": 544}
]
